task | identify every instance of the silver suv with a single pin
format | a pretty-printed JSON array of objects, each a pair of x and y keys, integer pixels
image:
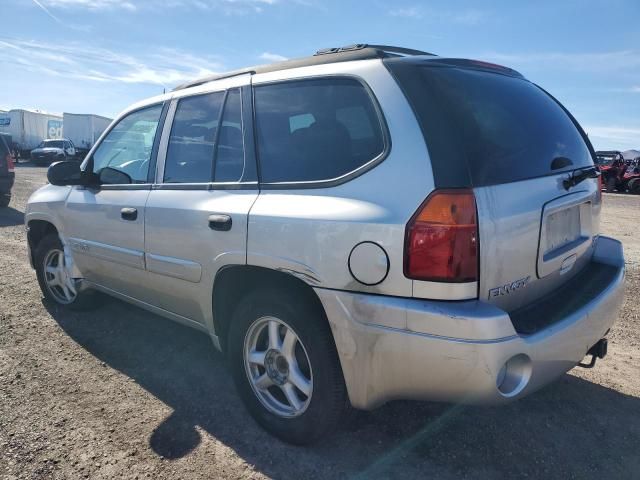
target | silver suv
[{"x": 367, "y": 224}]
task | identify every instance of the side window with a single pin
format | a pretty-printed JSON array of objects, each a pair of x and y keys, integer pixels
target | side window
[
  {"x": 127, "y": 148},
  {"x": 230, "y": 154},
  {"x": 192, "y": 140},
  {"x": 315, "y": 129}
]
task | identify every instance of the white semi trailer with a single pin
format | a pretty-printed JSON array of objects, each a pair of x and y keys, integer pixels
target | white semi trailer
[
  {"x": 28, "y": 128},
  {"x": 84, "y": 130}
]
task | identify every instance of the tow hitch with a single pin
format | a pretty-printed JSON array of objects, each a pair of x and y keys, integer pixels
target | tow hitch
[{"x": 599, "y": 350}]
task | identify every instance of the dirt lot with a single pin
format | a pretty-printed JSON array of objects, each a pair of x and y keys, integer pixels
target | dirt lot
[{"x": 123, "y": 393}]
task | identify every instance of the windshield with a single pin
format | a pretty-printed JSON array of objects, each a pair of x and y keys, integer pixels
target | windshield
[
  {"x": 484, "y": 128},
  {"x": 51, "y": 144}
]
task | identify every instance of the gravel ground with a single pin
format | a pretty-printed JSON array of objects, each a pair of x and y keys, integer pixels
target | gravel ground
[{"x": 122, "y": 393}]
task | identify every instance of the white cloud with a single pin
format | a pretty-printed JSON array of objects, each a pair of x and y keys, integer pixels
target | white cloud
[
  {"x": 226, "y": 6},
  {"x": 467, "y": 17},
  {"x": 273, "y": 57},
  {"x": 91, "y": 4},
  {"x": 406, "y": 12},
  {"x": 613, "y": 136},
  {"x": 163, "y": 66}
]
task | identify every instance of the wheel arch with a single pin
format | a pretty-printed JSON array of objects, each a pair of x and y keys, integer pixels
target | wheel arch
[
  {"x": 37, "y": 230},
  {"x": 232, "y": 282}
]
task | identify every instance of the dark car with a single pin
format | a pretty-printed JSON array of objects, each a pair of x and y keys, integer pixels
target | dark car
[{"x": 7, "y": 172}]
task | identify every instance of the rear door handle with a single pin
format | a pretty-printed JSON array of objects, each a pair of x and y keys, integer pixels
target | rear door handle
[
  {"x": 129, "y": 213},
  {"x": 220, "y": 222}
]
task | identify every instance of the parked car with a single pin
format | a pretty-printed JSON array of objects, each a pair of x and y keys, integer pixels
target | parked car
[
  {"x": 7, "y": 172},
  {"x": 53, "y": 150},
  {"x": 367, "y": 224}
]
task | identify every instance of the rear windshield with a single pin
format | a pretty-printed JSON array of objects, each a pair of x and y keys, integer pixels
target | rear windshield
[{"x": 484, "y": 128}]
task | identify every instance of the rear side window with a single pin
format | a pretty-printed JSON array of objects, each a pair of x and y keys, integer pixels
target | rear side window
[
  {"x": 484, "y": 128},
  {"x": 4, "y": 148},
  {"x": 192, "y": 141},
  {"x": 230, "y": 154},
  {"x": 314, "y": 130}
]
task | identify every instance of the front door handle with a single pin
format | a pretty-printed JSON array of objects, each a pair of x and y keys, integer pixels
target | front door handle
[
  {"x": 220, "y": 222},
  {"x": 129, "y": 213}
]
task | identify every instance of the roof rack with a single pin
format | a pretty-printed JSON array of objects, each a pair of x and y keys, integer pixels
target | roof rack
[{"x": 358, "y": 51}]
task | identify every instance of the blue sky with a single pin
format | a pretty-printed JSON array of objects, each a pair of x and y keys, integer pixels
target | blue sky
[{"x": 98, "y": 56}]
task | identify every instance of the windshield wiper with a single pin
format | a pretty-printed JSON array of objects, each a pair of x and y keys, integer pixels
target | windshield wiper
[{"x": 578, "y": 176}]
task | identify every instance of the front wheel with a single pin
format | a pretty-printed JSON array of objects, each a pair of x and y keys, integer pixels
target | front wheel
[
  {"x": 286, "y": 367},
  {"x": 54, "y": 278}
]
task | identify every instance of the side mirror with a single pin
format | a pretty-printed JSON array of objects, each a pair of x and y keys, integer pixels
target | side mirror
[
  {"x": 66, "y": 172},
  {"x": 111, "y": 176}
]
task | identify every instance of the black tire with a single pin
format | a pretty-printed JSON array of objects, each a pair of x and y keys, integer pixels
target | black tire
[
  {"x": 84, "y": 300},
  {"x": 4, "y": 200},
  {"x": 634, "y": 186},
  {"x": 328, "y": 400},
  {"x": 610, "y": 186}
]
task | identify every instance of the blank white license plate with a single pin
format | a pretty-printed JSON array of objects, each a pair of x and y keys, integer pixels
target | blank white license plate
[{"x": 562, "y": 228}]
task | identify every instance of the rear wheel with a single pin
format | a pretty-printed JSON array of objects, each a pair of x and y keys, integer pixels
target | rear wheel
[
  {"x": 54, "y": 278},
  {"x": 610, "y": 185},
  {"x": 286, "y": 367}
]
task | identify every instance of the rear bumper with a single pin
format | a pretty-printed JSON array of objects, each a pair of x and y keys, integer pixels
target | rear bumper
[{"x": 385, "y": 353}]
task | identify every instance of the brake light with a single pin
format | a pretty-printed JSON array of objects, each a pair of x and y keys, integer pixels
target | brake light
[
  {"x": 9, "y": 160},
  {"x": 441, "y": 239}
]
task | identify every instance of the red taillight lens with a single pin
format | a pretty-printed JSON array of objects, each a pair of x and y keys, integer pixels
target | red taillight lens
[
  {"x": 10, "y": 166},
  {"x": 441, "y": 243}
]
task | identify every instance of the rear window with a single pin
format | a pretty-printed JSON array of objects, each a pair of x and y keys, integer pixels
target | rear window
[
  {"x": 315, "y": 130},
  {"x": 484, "y": 128}
]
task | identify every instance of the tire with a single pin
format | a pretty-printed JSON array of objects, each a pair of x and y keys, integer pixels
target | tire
[
  {"x": 634, "y": 186},
  {"x": 4, "y": 200},
  {"x": 321, "y": 411},
  {"x": 610, "y": 185},
  {"x": 48, "y": 248}
]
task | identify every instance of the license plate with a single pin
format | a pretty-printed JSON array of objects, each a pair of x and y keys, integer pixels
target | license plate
[{"x": 562, "y": 228}]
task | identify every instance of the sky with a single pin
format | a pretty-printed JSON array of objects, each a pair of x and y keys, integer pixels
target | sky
[{"x": 98, "y": 56}]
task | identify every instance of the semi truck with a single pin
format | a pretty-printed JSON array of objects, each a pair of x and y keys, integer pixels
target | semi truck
[
  {"x": 83, "y": 130},
  {"x": 28, "y": 128}
]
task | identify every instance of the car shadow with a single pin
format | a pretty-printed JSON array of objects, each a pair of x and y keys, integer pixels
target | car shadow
[
  {"x": 10, "y": 217},
  {"x": 573, "y": 428}
]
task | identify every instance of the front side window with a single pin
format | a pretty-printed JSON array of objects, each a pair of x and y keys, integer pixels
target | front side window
[
  {"x": 127, "y": 147},
  {"x": 314, "y": 130},
  {"x": 192, "y": 142}
]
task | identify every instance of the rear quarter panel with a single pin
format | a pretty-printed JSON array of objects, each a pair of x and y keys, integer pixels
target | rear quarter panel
[{"x": 310, "y": 232}]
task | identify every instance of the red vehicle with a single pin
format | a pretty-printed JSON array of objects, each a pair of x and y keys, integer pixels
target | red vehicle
[
  {"x": 613, "y": 168},
  {"x": 631, "y": 179}
]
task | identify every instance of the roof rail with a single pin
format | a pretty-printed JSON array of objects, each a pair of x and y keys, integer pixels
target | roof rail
[
  {"x": 382, "y": 48},
  {"x": 358, "y": 51}
]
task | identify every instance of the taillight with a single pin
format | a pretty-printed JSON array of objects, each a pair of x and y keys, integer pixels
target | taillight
[
  {"x": 441, "y": 239},
  {"x": 9, "y": 160}
]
